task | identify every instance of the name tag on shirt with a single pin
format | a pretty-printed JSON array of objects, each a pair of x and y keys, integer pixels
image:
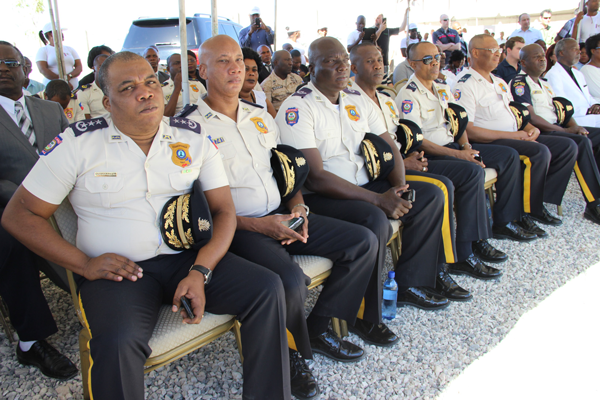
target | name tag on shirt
[{"x": 105, "y": 174}]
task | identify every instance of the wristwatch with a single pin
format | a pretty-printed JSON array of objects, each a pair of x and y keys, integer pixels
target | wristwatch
[
  {"x": 70, "y": 76},
  {"x": 204, "y": 271},
  {"x": 304, "y": 206}
]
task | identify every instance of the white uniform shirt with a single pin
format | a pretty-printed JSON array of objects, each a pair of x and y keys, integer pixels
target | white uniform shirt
[
  {"x": 245, "y": 148},
  {"x": 592, "y": 77},
  {"x": 589, "y": 27},
  {"x": 427, "y": 109},
  {"x": 527, "y": 92},
  {"x": 116, "y": 190},
  {"x": 74, "y": 111},
  {"x": 577, "y": 93},
  {"x": 308, "y": 120},
  {"x": 90, "y": 97},
  {"x": 487, "y": 104},
  {"x": 197, "y": 90}
]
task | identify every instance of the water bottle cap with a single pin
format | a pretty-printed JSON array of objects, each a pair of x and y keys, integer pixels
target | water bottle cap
[{"x": 391, "y": 274}]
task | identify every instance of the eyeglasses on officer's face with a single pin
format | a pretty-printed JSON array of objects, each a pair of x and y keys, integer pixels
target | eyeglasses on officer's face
[
  {"x": 496, "y": 50},
  {"x": 10, "y": 63},
  {"x": 429, "y": 59}
]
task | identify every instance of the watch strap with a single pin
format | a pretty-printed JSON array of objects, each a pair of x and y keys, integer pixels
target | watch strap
[{"x": 203, "y": 270}]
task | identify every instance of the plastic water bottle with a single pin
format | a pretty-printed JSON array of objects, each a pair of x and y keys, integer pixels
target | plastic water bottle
[{"x": 390, "y": 295}]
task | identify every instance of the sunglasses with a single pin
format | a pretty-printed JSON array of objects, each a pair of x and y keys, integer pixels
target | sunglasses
[
  {"x": 429, "y": 59},
  {"x": 10, "y": 63},
  {"x": 496, "y": 50}
]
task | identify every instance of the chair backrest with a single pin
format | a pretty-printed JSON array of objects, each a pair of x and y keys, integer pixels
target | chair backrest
[
  {"x": 387, "y": 90},
  {"x": 400, "y": 84}
]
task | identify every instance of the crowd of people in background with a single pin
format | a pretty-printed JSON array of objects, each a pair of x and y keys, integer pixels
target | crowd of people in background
[{"x": 526, "y": 105}]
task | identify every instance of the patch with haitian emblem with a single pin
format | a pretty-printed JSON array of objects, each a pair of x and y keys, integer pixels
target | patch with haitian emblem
[
  {"x": 259, "y": 124},
  {"x": 181, "y": 156},
  {"x": 352, "y": 113},
  {"x": 457, "y": 94},
  {"x": 69, "y": 113},
  {"x": 51, "y": 146},
  {"x": 291, "y": 116},
  {"x": 407, "y": 106},
  {"x": 519, "y": 90}
]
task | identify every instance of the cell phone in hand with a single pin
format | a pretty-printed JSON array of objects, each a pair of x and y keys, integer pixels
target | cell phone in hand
[
  {"x": 409, "y": 195},
  {"x": 384, "y": 20},
  {"x": 477, "y": 157},
  {"x": 257, "y": 21},
  {"x": 368, "y": 33},
  {"x": 185, "y": 302},
  {"x": 294, "y": 224}
]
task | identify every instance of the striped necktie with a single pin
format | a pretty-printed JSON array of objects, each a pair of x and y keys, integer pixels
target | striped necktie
[{"x": 24, "y": 123}]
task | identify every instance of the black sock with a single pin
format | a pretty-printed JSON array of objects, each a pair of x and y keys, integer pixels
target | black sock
[{"x": 316, "y": 325}]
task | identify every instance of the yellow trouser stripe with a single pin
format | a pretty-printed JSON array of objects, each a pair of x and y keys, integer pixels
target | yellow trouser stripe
[
  {"x": 584, "y": 187},
  {"x": 291, "y": 341},
  {"x": 87, "y": 326},
  {"x": 446, "y": 234},
  {"x": 361, "y": 310},
  {"x": 526, "y": 184}
]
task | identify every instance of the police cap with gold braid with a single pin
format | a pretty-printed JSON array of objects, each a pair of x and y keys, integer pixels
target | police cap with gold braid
[
  {"x": 378, "y": 155},
  {"x": 185, "y": 221},
  {"x": 564, "y": 110},
  {"x": 457, "y": 119},
  {"x": 409, "y": 135},
  {"x": 290, "y": 170},
  {"x": 521, "y": 114}
]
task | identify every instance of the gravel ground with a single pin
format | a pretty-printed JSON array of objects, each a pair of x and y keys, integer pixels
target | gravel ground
[{"x": 435, "y": 347}]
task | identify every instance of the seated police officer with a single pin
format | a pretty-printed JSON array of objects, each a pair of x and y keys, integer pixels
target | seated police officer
[
  {"x": 119, "y": 171},
  {"x": 90, "y": 96},
  {"x": 367, "y": 64},
  {"x": 328, "y": 121},
  {"x": 428, "y": 103},
  {"x": 172, "y": 89},
  {"x": 549, "y": 115},
  {"x": 245, "y": 133},
  {"x": 547, "y": 161}
]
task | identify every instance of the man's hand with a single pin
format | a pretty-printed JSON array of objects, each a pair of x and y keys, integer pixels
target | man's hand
[
  {"x": 595, "y": 109},
  {"x": 263, "y": 27},
  {"x": 361, "y": 35},
  {"x": 439, "y": 42},
  {"x": 177, "y": 80},
  {"x": 579, "y": 16},
  {"x": 191, "y": 287},
  {"x": 304, "y": 231},
  {"x": 577, "y": 130},
  {"x": 533, "y": 132},
  {"x": 468, "y": 155},
  {"x": 416, "y": 162},
  {"x": 271, "y": 226},
  {"x": 392, "y": 204},
  {"x": 253, "y": 28},
  {"x": 112, "y": 267}
]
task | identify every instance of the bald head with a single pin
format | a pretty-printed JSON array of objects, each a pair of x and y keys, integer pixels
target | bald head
[
  {"x": 445, "y": 21},
  {"x": 329, "y": 67},
  {"x": 479, "y": 41},
  {"x": 222, "y": 66},
  {"x": 361, "y": 21},
  {"x": 280, "y": 54},
  {"x": 533, "y": 60},
  {"x": 529, "y": 50},
  {"x": 212, "y": 47}
]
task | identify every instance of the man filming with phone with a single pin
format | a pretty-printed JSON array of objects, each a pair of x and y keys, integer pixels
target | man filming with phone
[
  {"x": 247, "y": 138},
  {"x": 257, "y": 33}
]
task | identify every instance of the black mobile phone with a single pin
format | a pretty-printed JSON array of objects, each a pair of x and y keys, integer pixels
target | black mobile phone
[
  {"x": 477, "y": 157},
  {"x": 294, "y": 224},
  {"x": 185, "y": 302},
  {"x": 257, "y": 21},
  {"x": 409, "y": 195},
  {"x": 384, "y": 20},
  {"x": 368, "y": 32}
]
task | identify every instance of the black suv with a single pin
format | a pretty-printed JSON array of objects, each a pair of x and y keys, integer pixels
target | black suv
[{"x": 164, "y": 34}]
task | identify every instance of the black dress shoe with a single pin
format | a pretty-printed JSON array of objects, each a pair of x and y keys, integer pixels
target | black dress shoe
[
  {"x": 512, "y": 231},
  {"x": 592, "y": 213},
  {"x": 488, "y": 253},
  {"x": 546, "y": 218},
  {"x": 447, "y": 287},
  {"x": 421, "y": 298},
  {"x": 474, "y": 267},
  {"x": 330, "y": 345},
  {"x": 529, "y": 225},
  {"x": 375, "y": 334},
  {"x": 50, "y": 362},
  {"x": 304, "y": 385}
]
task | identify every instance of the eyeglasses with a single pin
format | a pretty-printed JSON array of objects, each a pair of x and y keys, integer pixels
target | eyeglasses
[
  {"x": 496, "y": 50},
  {"x": 445, "y": 19},
  {"x": 429, "y": 59},
  {"x": 10, "y": 63}
]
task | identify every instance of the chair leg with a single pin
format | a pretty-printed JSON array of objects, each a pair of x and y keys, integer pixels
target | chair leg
[
  {"x": 84, "y": 355},
  {"x": 335, "y": 325},
  {"x": 559, "y": 211},
  {"x": 490, "y": 193},
  {"x": 343, "y": 328},
  {"x": 394, "y": 248},
  {"x": 237, "y": 332},
  {"x": 10, "y": 334}
]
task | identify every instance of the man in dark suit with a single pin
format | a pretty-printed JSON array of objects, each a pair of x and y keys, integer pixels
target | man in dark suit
[
  {"x": 266, "y": 57},
  {"x": 27, "y": 125}
]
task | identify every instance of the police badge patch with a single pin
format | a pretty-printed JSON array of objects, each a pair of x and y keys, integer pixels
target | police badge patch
[
  {"x": 291, "y": 116},
  {"x": 407, "y": 106},
  {"x": 51, "y": 146},
  {"x": 259, "y": 124},
  {"x": 457, "y": 94},
  {"x": 503, "y": 87},
  {"x": 181, "y": 156},
  {"x": 520, "y": 90},
  {"x": 352, "y": 113}
]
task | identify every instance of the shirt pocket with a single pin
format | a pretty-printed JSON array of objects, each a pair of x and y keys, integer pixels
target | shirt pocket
[
  {"x": 487, "y": 105},
  {"x": 105, "y": 192},
  {"x": 183, "y": 180},
  {"x": 328, "y": 141}
]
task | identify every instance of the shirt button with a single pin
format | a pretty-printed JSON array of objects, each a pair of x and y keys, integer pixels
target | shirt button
[
  {"x": 105, "y": 186},
  {"x": 148, "y": 195},
  {"x": 188, "y": 183},
  {"x": 256, "y": 165}
]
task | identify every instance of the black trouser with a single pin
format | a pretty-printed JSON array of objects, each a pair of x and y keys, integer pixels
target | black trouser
[
  {"x": 353, "y": 250},
  {"x": 421, "y": 237},
  {"x": 21, "y": 291},
  {"x": 586, "y": 166},
  {"x": 546, "y": 165},
  {"x": 122, "y": 315},
  {"x": 468, "y": 180}
]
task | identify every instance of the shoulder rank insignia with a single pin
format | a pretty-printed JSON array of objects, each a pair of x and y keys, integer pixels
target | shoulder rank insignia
[
  {"x": 88, "y": 125},
  {"x": 544, "y": 79},
  {"x": 440, "y": 81},
  {"x": 302, "y": 92},
  {"x": 464, "y": 78},
  {"x": 74, "y": 96},
  {"x": 380, "y": 91},
  {"x": 84, "y": 87},
  {"x": 187, "y": 110},
  {"x": 412, "y": 86},
  {"x": 351, "y": 91},
  {"x": 165, "y": 83},
  {"x": 251, "y": 103},
  {"x": 185, "y": 123}
]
